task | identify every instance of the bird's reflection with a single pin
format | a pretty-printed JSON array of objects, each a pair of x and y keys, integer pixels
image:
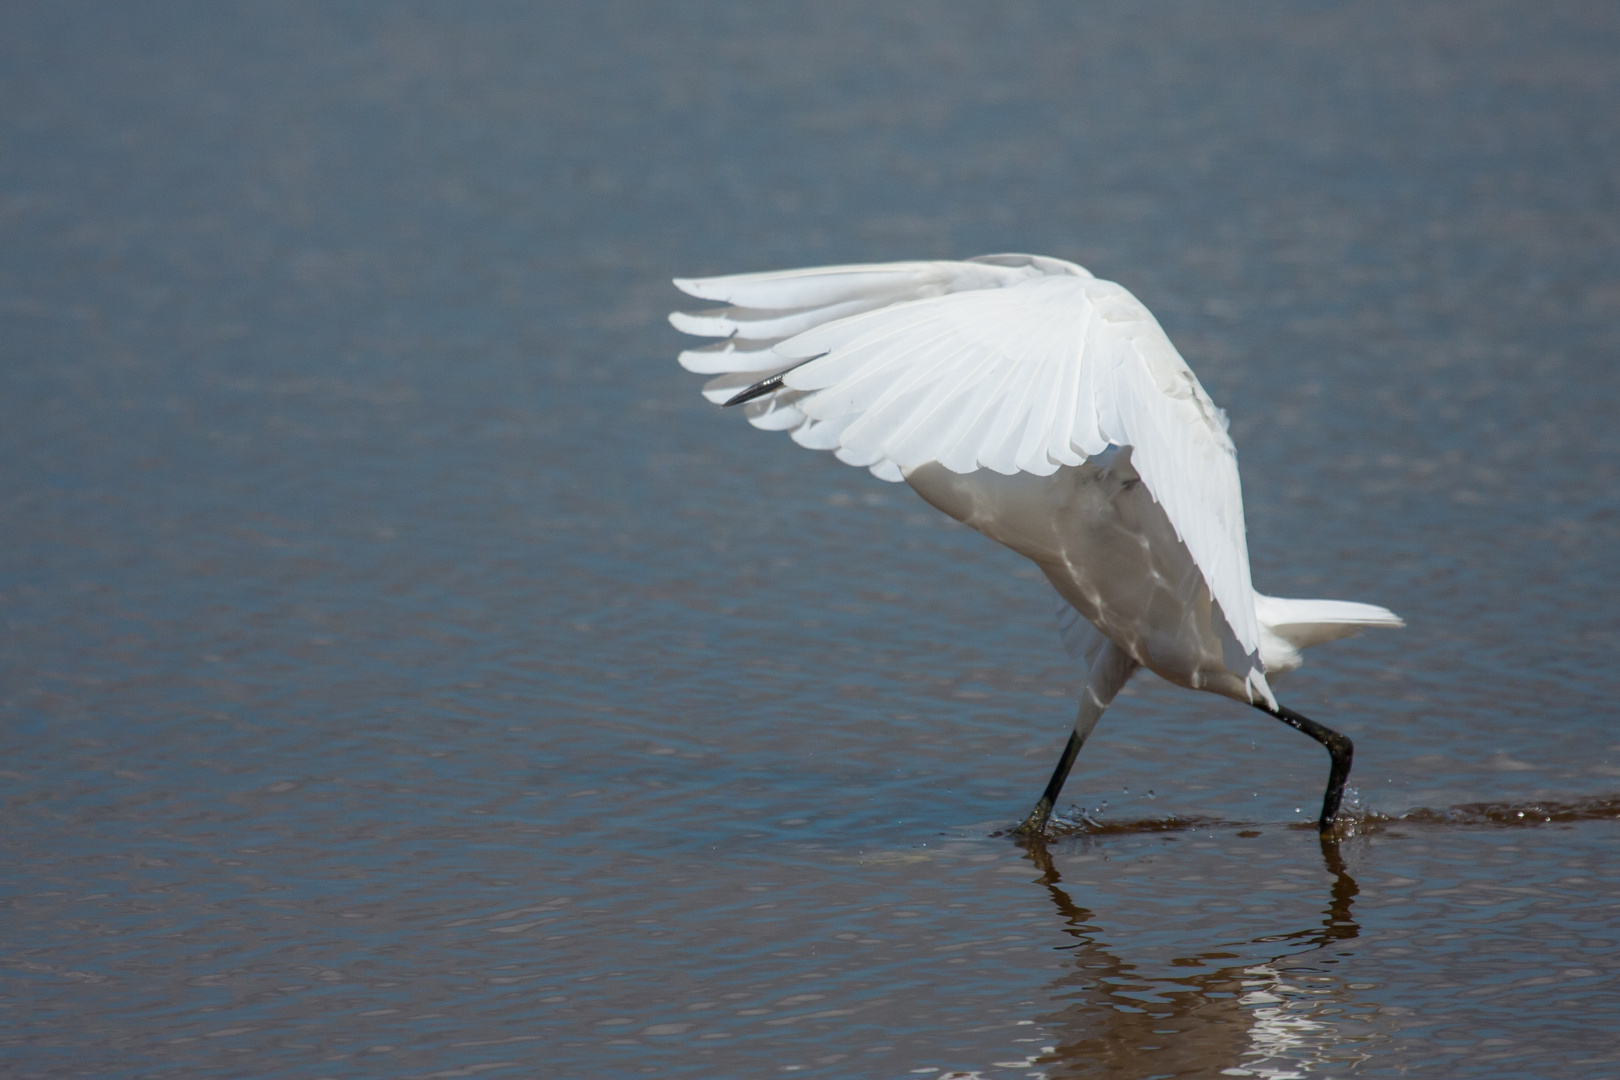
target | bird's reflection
[{"x": 1243, "y": 1019}]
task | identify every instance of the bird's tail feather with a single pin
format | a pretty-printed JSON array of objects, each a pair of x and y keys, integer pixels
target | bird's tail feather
[
  {"x": 1286, "y": 626},
  {"x": 1303, "y": 623}
]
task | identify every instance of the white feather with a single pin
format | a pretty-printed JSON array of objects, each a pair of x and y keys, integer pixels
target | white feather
[
  {"x": 887, "y": 470},
  {"x": 775, "y": 412},
  {"x": 731, "y": 355}
]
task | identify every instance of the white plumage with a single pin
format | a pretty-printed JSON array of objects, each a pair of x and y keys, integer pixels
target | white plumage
[{"x": 961, "y": 377}]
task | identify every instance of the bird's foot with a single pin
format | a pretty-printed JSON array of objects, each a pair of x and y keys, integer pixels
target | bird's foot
[{"x": 1035, "y": 824}]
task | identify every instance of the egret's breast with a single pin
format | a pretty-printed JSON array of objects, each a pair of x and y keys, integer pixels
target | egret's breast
[{"x": 1110, "y": 550}]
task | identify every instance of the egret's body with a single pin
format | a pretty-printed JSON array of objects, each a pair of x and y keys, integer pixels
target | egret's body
[{"x": 1048, "y": 410}]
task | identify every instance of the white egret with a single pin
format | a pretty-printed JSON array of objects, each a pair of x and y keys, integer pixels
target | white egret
[{"x": 1046, "y": 408}]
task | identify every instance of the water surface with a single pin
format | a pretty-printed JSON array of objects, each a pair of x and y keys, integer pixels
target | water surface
[{"x": 405, "y": 673}]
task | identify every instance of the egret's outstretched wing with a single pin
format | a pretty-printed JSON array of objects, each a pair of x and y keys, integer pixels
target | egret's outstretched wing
[
  {"x": 1010, "y": 363},
  {"x": 769, "y": 308}
]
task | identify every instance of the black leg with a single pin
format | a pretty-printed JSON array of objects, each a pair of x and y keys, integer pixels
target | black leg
[
  {"x": 1339, "y": 748},
  {"x": 1110, "y": 670},
  {"x": 1035, "y": 824}
]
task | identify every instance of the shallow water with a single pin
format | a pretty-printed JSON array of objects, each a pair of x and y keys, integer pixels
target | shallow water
[{"x": 405, "y": 673}]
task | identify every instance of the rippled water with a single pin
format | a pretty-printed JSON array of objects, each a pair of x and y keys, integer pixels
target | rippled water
[{"x": 405, "y": 673}]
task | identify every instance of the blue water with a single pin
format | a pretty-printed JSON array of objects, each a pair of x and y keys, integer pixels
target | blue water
[{"x": 405, "y": 673}]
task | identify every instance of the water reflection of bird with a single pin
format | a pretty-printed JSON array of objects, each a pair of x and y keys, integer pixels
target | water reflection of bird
[
  {"x": 1242, "y": 1019},
  {"x": 1047, "y": 409}
]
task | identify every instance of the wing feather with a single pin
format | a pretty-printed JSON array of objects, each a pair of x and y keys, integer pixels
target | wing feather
[
  {"x": 778, "y": 412},
  {"x": 733, "y": 354},
  {"x": 1066, "y": 430},
  {"x": 823, "y": 434},
  {"x": 766, "y": 322},
  {"x": 960, "y": 451},
  {"x": 723, "y": 388},
  {"x": 901, "y": 400},
  {"x": 821, "y": 285},
  {"x": 925, "y": 430}
]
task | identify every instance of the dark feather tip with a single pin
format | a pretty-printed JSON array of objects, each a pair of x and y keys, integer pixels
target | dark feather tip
[{"x": 759, "y": 389}]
